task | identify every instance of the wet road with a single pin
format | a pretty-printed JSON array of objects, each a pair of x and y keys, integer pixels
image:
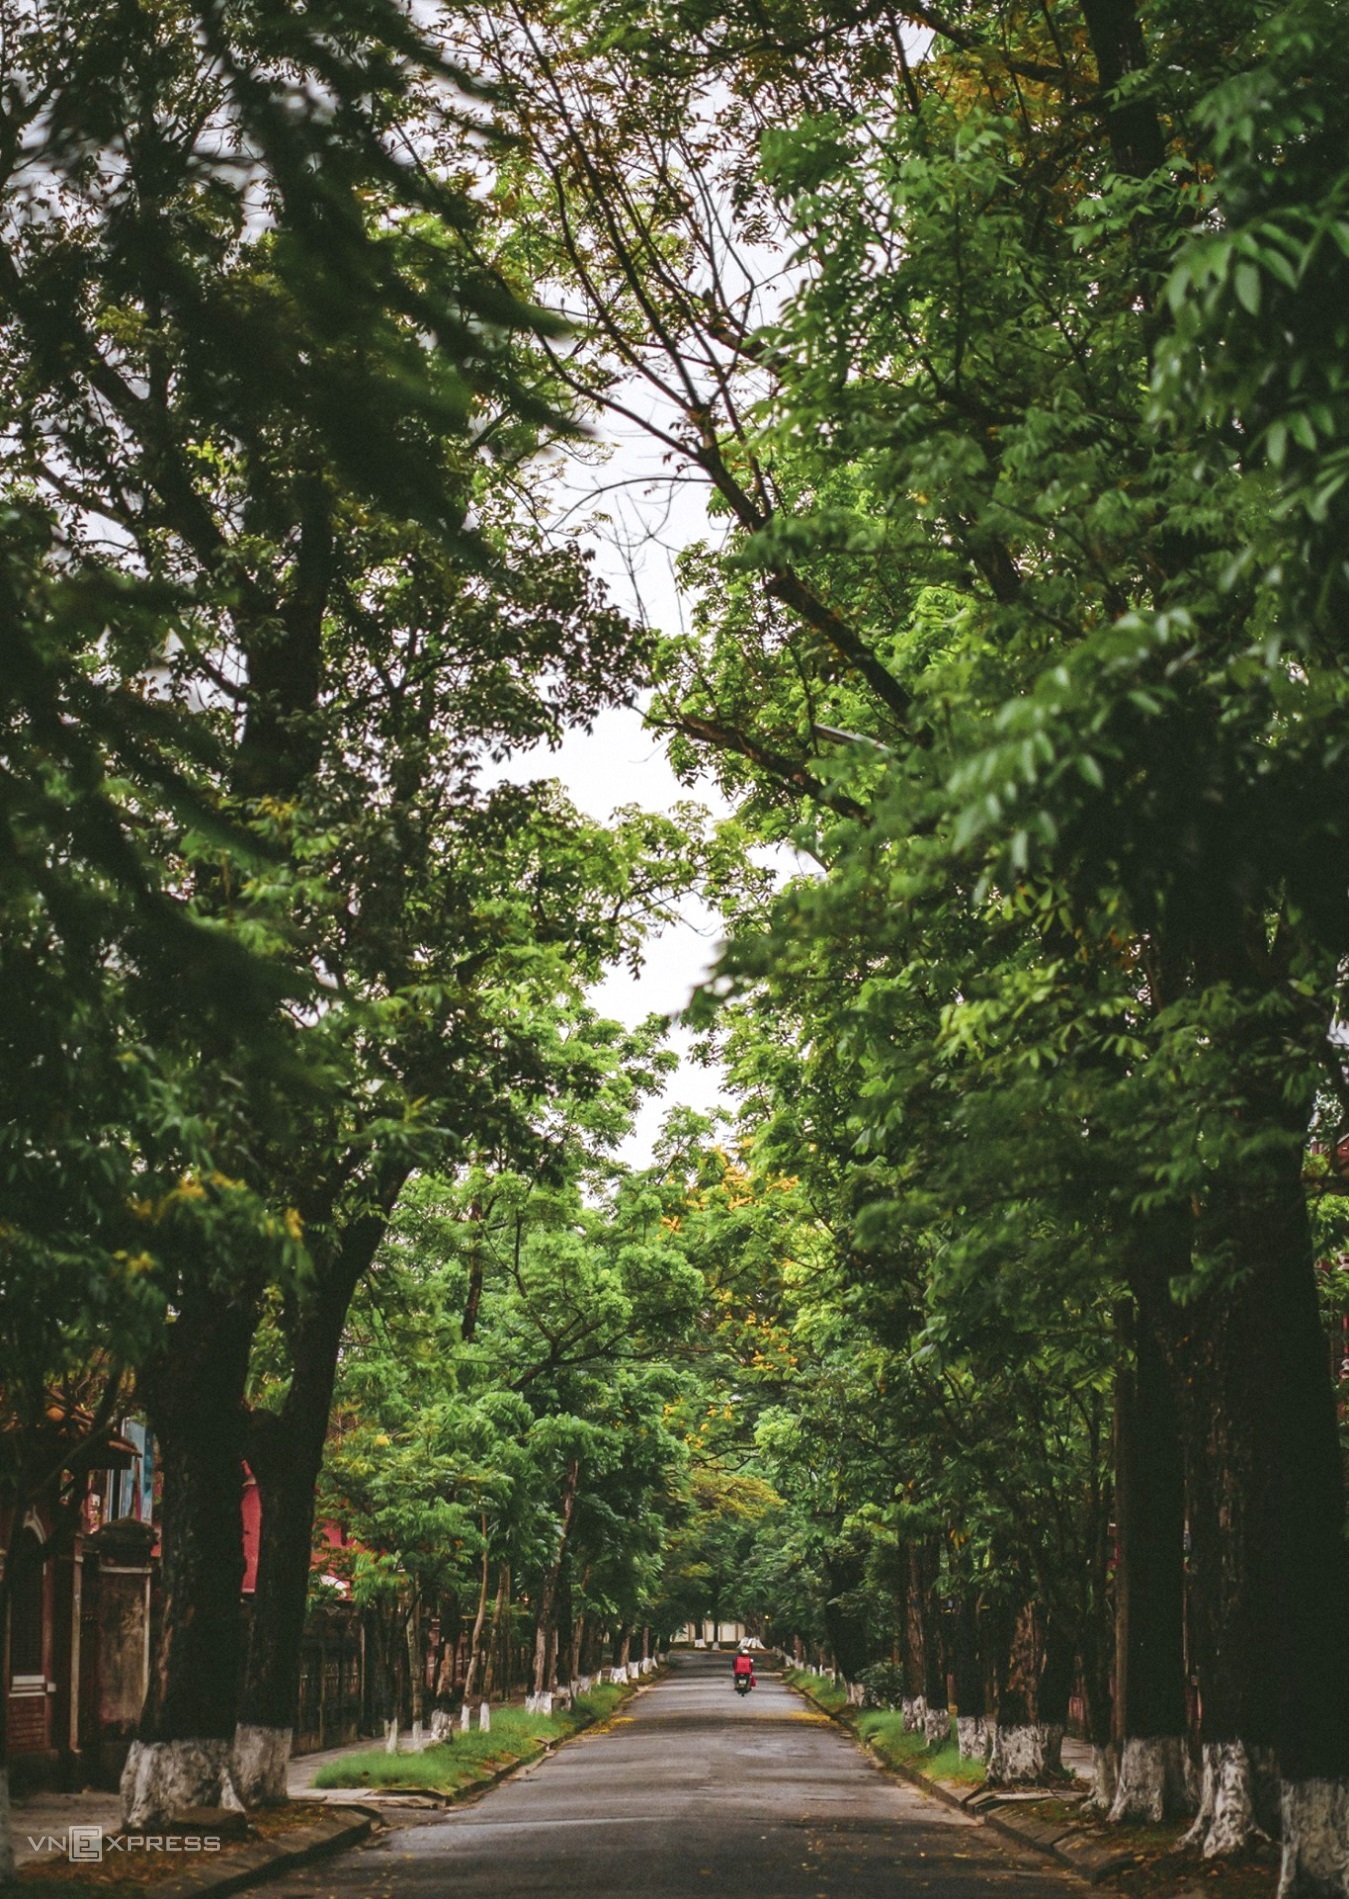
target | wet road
[{"x": 695, "y": 1793}]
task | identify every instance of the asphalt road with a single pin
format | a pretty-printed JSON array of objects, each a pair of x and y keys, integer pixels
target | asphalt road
[{"x": 695, "y": 1793}]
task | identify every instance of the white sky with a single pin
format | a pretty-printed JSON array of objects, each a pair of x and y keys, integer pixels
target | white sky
[
  {"x": 620, "y": 763},
  {"x": 640, "y": 522}
]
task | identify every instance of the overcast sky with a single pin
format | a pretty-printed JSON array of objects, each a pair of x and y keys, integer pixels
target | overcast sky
[
  {"x": 646, "y": 520},
  {"x": 619, "y": 764}
]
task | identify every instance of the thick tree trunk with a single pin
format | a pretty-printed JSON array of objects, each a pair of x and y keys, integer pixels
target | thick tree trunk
[
  {"x": 970, "y": 1680},
  {"x": 285, "y": 1453},
  {"x": 1311, "y": 1554},
  {"x": 195, "y": 1395},
  {"x": 1054, "y": 1692},
  {"x": 936, "y": 1720},
  {"x": 1155, "y": 1779},
  {"x": 1017, "y": 1748},
  {"x": 1223, "y": 1388},
  {"x": 384, "y": 1621}
]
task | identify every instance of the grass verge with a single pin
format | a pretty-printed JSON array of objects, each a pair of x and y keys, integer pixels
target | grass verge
[
  {"x": 471, "y": 1760},
  {"x": 883, "y": 1730},
  {"x": 823, "y": 1690}
]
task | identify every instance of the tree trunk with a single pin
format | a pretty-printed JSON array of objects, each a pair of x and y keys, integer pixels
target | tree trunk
[
  {"x": 285, "y": 1453},
  {"x": 562, "y": 1631},
  {"x": 416, "y": 1664},
  {"x": 1222, "y": 1358},
  {"x": 548, "y": 1594},
  {"x": 6, "y": 1811},
  {"x": 1135, "y": 133},
  {"x": 498, "y": 1636},
  {"x": 1155, "y": 1780},
  {"x": 1054, "y": 1692},
  {"x": 1016, "y": 1752},
  {"x": 195, "y": 1394},
  {"x": 970, "y": 1680},
  {"x": 912, "y": 1702},
  {"x": 1311, "y": 1583},
  {"x": 479, "y": 1622},
  {"x": 923, "y": 1581},
  {"x": 468, "y": 1329}
]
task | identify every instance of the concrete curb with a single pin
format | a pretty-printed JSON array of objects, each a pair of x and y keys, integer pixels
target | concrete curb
[{"x": 1070, "y": 1845}]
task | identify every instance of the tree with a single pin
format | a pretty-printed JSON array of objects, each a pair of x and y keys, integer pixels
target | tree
[
  {"x": 252, "y": 335},
  {"x": 1038, "y": 617}
]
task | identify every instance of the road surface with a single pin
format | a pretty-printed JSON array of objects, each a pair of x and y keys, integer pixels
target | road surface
[{"x": 694, "y": 1793}]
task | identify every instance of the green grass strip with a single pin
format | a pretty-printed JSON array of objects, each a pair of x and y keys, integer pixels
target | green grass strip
[
  {"x": 883, "y": 1729},
  {"x": 467, "y": 1760}
]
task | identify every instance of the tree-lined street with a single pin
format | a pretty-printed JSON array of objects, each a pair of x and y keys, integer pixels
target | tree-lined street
[
  {"x": 695, "y": 1792},
  {"x": 978, "y": 372}
]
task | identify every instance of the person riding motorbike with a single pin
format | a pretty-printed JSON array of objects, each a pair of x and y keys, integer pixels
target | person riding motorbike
[{"x": 742, "y": 1669}]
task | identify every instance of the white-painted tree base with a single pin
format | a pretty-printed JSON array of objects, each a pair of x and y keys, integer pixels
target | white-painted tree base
[
  {"x": 6, "y": 1830},
  {"x": 1017, "y": 1755},
  {"x": 914, "y": 1710},
  {"x": 390, "y": 1737},
  {"x": 937, "y": 1726},
  {"x": 261, "y": 1757},
  {"x": 972, "y": 1737},
  {"x": 484, "y": 1717},
  {"x": 1315, "y": 1861},
  {"x": 164, "y": 1778},
  {"x": 856, "y": 1692},
  {"x": 1104, "y": 1780},
  {"x": 1236, "y": 1795},
  {"x": 1156, "y": 1781}
]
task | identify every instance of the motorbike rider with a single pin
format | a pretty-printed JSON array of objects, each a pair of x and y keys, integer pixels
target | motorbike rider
[{"x": 743, "y": 1667}]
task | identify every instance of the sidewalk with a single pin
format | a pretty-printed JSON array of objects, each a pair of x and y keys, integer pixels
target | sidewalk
[
  {"x": 303, "y": 1767},
  {"x": 42, "y": 1816},
  {"x": 1076, "y": 1757}
]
